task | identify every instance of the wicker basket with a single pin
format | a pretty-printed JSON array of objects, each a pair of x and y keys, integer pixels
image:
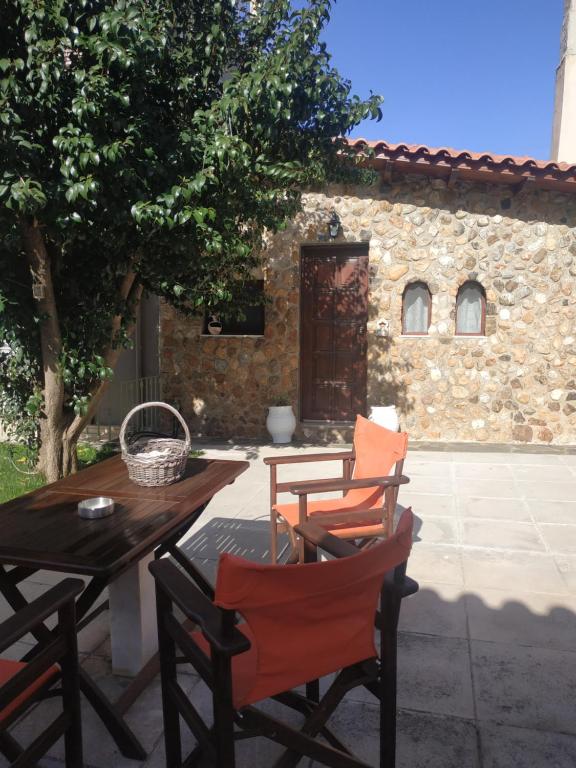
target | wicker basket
[{"x": 155, "y": 461}]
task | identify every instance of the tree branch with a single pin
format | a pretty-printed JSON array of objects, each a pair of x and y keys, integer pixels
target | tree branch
[{"x": 110, "y": 355}]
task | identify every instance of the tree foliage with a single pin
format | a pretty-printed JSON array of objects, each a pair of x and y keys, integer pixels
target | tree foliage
[{"x": 146, "y": 144}]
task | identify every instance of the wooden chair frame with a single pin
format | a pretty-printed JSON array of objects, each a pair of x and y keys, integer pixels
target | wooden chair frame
[
  {"x": 383, "y": 516},
  {"x": 62, "y": 651},
  {"x": 218, "y": 626}
]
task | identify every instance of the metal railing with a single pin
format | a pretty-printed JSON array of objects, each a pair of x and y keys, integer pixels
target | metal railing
[{"x": 131, "y": 393}]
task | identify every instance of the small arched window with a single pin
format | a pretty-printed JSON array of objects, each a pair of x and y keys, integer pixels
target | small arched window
[
  {"x": 416, "y": 309},
  {"x": 471, "y": 310}
]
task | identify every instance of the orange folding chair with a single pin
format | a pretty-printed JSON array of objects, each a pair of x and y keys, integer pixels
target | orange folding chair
[
  {"x": 23, "y": 684},
  {"x": 370, "y": 491},
  {"x": 302, "y": 622}
]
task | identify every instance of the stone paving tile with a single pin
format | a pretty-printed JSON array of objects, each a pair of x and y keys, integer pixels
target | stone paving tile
[
  {"x": 526, "y": 571},
  {"x": 430, "y": 485},
  {"x": 245, "y": 538},
  {"x": 528, "y": 473},
  {"x": 238, "y": 494},
  {"x": 559, "y": 538},
  {"x": 522, "y": 618},
  {"x": 434, "y": 675},
  {"x": 531, "y": 459},
  {"x": 484, "y": 471},
  {"x": 501, "y": 534},
  {"x": 492, "y": 509},
  {"x": 553, "y": 511},
  {"x": 423, "y": 468},
  {"x": 526, "y": 687},
  {"x": 506, "y": 747},
  {"x": 427, "y": 504},
  {"x": 424, "y": 740},
  {"x": 477, "y": 457},
  {"x": 436, "y": 564},
  {"x": 432, "y": 457},
  {"x": 559, "y": 490},
  {"x": 567, "y": 566},
  {"x": 437, "y": 530},
  {"x": 437, "y": 609},
  {"x": 490, "y": 489}
]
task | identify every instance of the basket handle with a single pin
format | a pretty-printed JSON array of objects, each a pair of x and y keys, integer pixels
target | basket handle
[{"x": 141, "y": 407}]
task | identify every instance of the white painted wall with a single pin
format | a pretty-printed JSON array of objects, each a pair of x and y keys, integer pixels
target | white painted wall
[{"x": 564, "y": 129}]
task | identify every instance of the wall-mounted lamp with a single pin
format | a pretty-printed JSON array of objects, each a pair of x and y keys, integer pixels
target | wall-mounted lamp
[
  {"x": 334, "y": 225},
  {"x": 383, "y": 330},
  {"x": 5, "y": 349}
]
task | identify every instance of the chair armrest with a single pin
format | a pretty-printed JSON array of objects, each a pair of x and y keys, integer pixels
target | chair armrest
[
  {"x": 37, "y": 611},
  {"x": 196, "y": 606},
  {"x": 320, "y": 537},
  {"x": 308, "y": 457},
  {"x": 324, "y": 486}
]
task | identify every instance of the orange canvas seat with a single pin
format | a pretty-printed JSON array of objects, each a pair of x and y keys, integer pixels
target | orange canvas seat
[
  {"x": 8, "y": 669},
  {"x": 54, "y": 660},
  {"x": 377, "y": 453},
  {"x": 302, "y": 622}
]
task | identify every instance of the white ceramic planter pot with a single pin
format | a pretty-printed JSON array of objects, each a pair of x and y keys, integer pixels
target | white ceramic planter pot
[
  {"x": 214, "y": 327},
  {"x": 281, "y": 423},
  {"x": 385, "y": 416}
]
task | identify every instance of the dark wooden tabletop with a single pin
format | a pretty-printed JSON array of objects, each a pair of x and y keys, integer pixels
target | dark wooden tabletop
[{"x": 43, "y": 530}]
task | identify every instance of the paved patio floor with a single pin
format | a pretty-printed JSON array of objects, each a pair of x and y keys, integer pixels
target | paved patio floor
[{"x": 487, "y": 651}]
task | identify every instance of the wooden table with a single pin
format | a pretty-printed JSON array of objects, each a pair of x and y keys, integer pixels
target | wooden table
[{"x": 42, "y": 530}]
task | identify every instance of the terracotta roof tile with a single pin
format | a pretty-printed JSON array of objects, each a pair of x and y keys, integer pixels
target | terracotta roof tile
[{"x": 492, "y": 168}]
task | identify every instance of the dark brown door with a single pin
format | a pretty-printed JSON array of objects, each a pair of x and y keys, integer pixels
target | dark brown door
[{"x": 333, "y": 315}]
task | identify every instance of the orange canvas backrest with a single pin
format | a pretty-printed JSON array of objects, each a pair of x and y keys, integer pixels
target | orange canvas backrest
[
  {"x": 311, "y": 619},
  {"x": 377, "y": 450}
]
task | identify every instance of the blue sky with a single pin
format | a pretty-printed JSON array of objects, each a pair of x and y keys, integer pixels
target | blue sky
[{"x": 469, "y": 74}]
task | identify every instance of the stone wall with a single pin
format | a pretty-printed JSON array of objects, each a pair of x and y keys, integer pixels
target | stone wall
[{"x": 515, "y": 384}]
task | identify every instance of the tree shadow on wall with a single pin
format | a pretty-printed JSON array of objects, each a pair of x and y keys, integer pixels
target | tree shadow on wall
[{"x": 387, "y": 376}]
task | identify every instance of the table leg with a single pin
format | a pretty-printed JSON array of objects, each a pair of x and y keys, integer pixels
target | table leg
[{"x": 133, "y": 631}]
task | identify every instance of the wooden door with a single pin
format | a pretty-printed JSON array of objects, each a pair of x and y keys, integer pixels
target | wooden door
[{"x": 333, "y": 315}]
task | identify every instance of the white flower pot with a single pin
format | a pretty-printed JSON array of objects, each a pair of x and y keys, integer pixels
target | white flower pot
[
  {"x": 214, "y": 328},
  {"x": 385, "y": 416},
  {"x": 281, "y": 423}
]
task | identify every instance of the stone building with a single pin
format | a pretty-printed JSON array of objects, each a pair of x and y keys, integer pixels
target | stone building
[{"x": 447, "y": 291}]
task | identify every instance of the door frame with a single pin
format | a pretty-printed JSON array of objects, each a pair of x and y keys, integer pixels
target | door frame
[{"x": 319, "y": 245}]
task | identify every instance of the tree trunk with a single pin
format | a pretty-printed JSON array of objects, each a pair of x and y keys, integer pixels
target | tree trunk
[
  {"x": 52, "y": 423},
  {"x": 60, "y": 431},
  {"x": 57, "y": 452}
]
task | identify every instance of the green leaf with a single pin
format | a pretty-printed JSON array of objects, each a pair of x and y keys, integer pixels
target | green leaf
[{"x": 139, "y": 148}]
